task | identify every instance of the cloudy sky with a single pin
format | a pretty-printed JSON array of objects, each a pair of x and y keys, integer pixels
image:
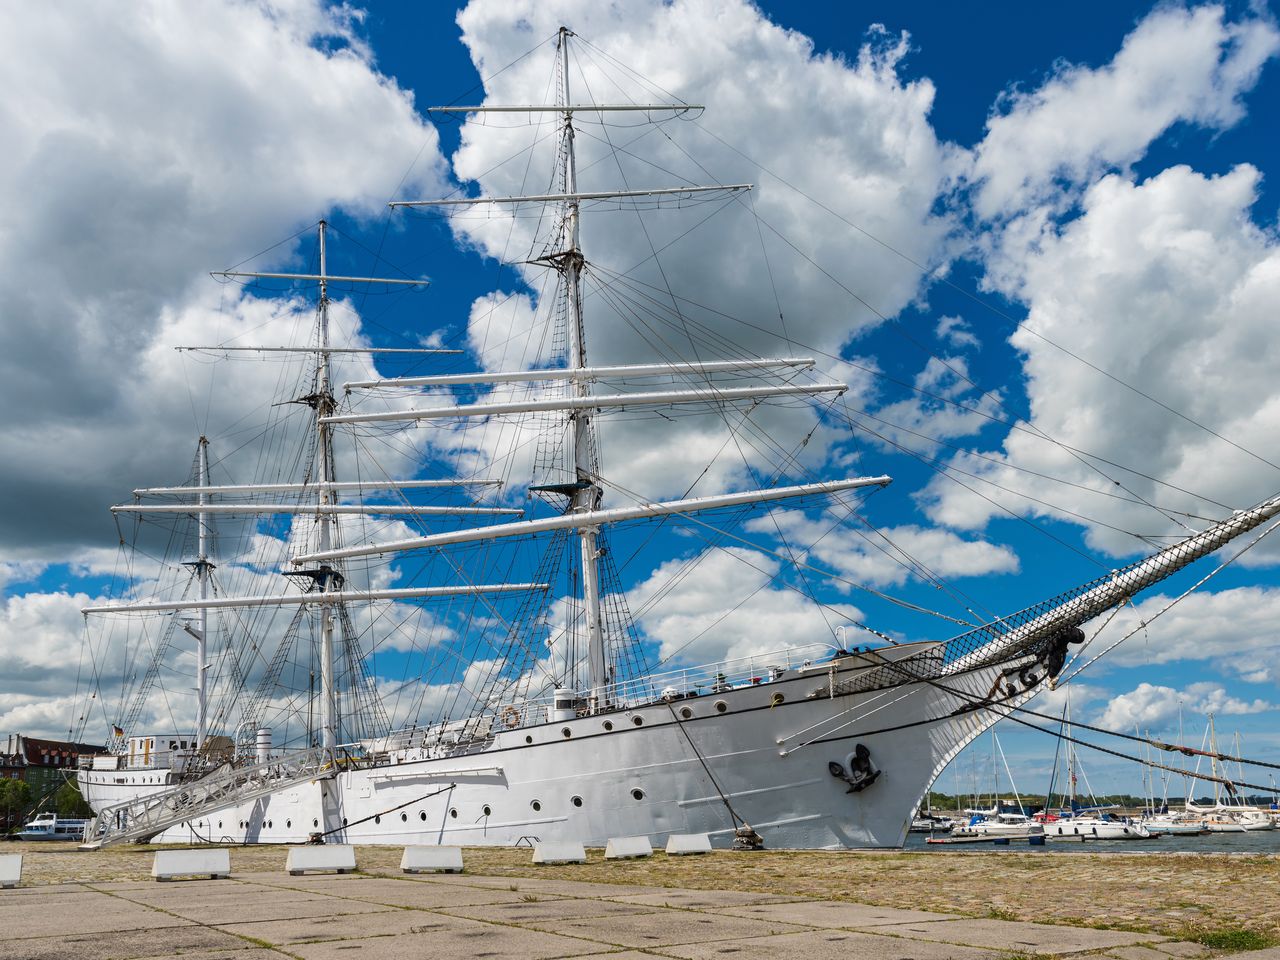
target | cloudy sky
[{"x": 1041, "y": 251}]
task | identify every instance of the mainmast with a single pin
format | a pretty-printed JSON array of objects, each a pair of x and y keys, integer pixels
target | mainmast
[
  {"x": 327, "y": 578},
  {"x": 586, "y": 494}
]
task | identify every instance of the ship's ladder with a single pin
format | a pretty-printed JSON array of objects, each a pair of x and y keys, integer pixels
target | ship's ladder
[{"x": 143, "y": 818}]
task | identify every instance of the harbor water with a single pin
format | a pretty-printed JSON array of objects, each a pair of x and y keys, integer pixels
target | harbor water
[{"x": 1254, "y": 842}]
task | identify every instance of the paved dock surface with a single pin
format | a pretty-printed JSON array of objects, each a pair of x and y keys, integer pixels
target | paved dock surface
[{"x": 256, "y": 916}]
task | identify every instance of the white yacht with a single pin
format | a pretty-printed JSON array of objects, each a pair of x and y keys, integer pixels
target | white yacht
[{"x": 48, "y": 826}]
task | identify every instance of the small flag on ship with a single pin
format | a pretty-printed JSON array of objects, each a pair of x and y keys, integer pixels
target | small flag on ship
[{"x": 117, "y": 731}]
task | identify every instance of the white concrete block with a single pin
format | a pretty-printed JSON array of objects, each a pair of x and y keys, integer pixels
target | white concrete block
[
  {"x": 10, "y": 869},
  {"x": 171, "y": 864},
  {"x": 627, "y": 848},
  {"x": 560, "y": 851},
  {"x": 337, "y": 857},
  {"x": 683, "y": 844},
  {"x": 431, "y": 860}
]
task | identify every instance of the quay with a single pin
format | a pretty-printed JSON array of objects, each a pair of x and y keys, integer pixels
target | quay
[{"x": 968, "y": 905}]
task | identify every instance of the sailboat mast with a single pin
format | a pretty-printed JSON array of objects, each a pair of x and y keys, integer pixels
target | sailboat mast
[
  {"x": 202, "y": 571},
  {"x": 587, "y": 495},
  {"x": 1071, "y": 758},
  {"x": 1213, "y": 761},
  {"x": 324, "y": 407}
]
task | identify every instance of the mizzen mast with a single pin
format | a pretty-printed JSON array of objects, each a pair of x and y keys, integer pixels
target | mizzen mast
[{"x": 203, "y": 566}]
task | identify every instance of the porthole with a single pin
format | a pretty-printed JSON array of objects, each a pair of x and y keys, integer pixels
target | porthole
[
  {"x": 686, "y": 713},
  {"x": 422, "y": 815},
  {"x": 404, "y": 818},
  {"x": 487, "y": 810},
  {"x": 315, "y": 823},
  {"x": 288, "y": 824},
  {"x": 608, "y": 724},
  {"x": 537, "y": 805},
  {"x": 377, "y": 819},
  {"x": 567, "y": 732},
  {"x": 637, "y": 720},
  {"x": 453, "y": 812},
  {"x": 344, "y": 821},
  {"x": 528, "y": 739},
  {"x": 777, "y": 699},
  {"x": 576, "y": 801},
  {"x": 269, "y": 824},
  {"x": 721, "y": 706},
  {"x": 219, "y": 824},
  {"x": 637, "y": 794}
]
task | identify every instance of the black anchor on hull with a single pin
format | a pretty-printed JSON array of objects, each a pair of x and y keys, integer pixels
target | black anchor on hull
[{"x": 861, "y": 772}]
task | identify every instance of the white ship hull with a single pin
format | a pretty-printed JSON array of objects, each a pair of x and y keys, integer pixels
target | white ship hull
[{"x": 642, "y": 777}]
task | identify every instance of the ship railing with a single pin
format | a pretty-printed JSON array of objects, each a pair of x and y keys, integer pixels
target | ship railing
[
  {"x": 725, "y": 675},
  {"x": 678, "y": 684}
]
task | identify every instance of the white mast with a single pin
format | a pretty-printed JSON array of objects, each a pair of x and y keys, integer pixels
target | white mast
[
  {"x": 324, "y": 406},
  {"x": 588, "y": 495},
  {"x": 1071, "y": 759},
  {"x": 202, "y": 569},
  {"x": 1213, "y": 763}
]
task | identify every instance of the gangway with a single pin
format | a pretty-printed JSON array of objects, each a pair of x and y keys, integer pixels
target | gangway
[{"x": 143, "y": 818}]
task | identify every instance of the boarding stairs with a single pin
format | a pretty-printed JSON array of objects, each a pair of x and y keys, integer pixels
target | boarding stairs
[{"x": 143, "y": 818}]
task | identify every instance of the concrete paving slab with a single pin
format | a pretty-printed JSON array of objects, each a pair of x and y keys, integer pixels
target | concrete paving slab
[
  {"x": 543, "y": 910},
  {"x": 562, "y": 888},
  {"x": 668, "y": 927},
  {"x": 168, "y": 895},
  {"x": 1139, "y": 953},
  {"x": 113, "y": 916},
  {"x": 455, "y": 879},
  {"x": 543, "y": 886},
  {"x": 80, "y": 900},
  {"x": 352, "y": 926},
  {"x": 1016, "y": 937},
  {"x": 451, "y": 938},
  {"x": 253, "y": 953},
  {"x": 250, "y": 911},
  {"x": 166, "y": 941},
  {"x": 114, "y": 885},
  {"x": 49, "y": 889},
  {"x": 1183, "y": 948},
  {"x": 828, "y": 945},
  {"x": 304, "y": 881},
  {"x": 405, "y": 893},
  {"x": 825, "y": 913},
  {"x": 703, "y": 899}
]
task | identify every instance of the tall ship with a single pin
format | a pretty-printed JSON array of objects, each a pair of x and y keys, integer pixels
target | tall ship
[{"x": 464, "y": 527}]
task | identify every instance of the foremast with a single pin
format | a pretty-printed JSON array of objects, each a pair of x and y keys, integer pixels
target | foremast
[{"x": 327, "y": 579}]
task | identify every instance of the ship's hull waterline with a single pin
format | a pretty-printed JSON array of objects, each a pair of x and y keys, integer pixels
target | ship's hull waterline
[{"x": 769, "y": 754}]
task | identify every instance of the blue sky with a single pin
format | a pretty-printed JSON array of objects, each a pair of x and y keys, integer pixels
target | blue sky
[{"x": 1106, "y": 175}]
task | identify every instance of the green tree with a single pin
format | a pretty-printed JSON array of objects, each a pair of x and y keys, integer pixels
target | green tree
[
  {"x": 15, "y": 801},
  {"x": 68, "y": 802}
]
